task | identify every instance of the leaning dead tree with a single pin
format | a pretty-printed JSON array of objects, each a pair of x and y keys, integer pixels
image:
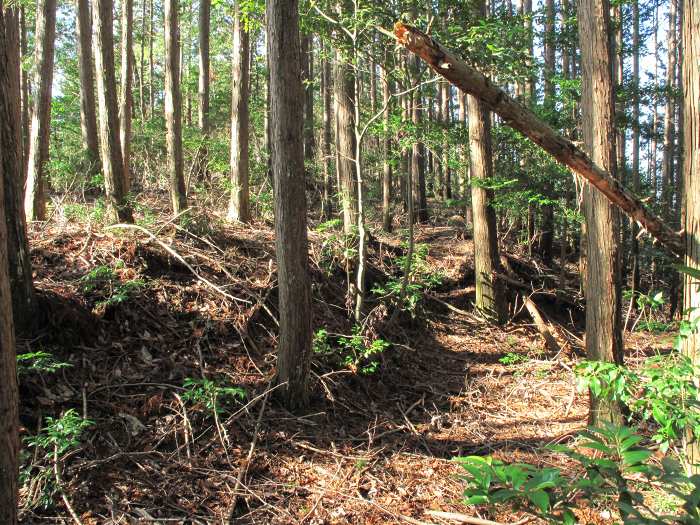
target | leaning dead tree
[{"x": 517, "y": 116}]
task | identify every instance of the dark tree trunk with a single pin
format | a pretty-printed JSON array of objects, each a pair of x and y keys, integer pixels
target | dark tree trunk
[
  {"x": 127, "y": 96},
  {"x": 326, "y": 138},
  {"x": 287, "y": 148},
  {"x": 307, "y": 74},
  {"x": 88, "y": 116}
]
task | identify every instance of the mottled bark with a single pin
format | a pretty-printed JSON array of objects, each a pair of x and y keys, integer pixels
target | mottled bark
[
  {"x": 344, "y": 92},
  {"x": 111, "y": 152},
  {"x": 44, "y": 43},
  {"x": 173, "y": 108},
  {"x": 239, "y": 203},
  {"x": 127, "y": 96},
  {"x": 287, "y": 149},
  {"x": 88, "y": 115},
  {"x": 602, "y": 292}
]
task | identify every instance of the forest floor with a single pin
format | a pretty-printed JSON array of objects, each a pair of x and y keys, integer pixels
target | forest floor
[{"x": 134, "y": 322}]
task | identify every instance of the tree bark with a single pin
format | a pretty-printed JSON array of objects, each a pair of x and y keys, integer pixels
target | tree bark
[
  {"x": 490, "y": 298},
  {"x": 691, "y": 184},
  {"x": 25, "y": 95},
  {"x": 287, "y": 148},
  {"x": 151, "y": 66},
  {"x": 386, "y": 150},
  {"x": 307, "y": 73},
  {"x": 111, "y": 152},
  {"x": 88, "y": 116},
  {"x": 522, "y": 119},
  {"x": 669, "y": 123},
  {"x": 173, "y": 108},
  {"x": 11, "y": 165},
  {"x": 344, "y": 90},
  {"x": 204, "y": 28},
  {"x": 602, "y": 291},
  {"x": 636, "y": 183},
  {"x": 326, "y": 139},
  {"x": 547, "y": 233},
  {"x": 239, "y": 203},
  {"x": 446, "y": 122},
  {"x": 10, "y": 156},
  {"x": 127, "y": 96},
  {"x": 44, "y": 43}
]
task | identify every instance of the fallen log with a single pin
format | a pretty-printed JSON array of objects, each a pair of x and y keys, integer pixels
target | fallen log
[
  {"x": 542, "y": 326},
  {"x": 519, "y": 117}
]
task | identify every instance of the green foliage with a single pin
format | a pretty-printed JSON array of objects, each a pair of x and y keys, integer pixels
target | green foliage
[
  {"x": 213, "y": 395},
  {"x": 40, "y": 362},
  {"x": 104, "y": 282},
  {"x": 511, "y": 358},
  {"x": 356, "y": 352},
  {"x": 616, "y": 469}
]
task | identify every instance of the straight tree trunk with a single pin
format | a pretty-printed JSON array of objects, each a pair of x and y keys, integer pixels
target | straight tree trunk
[
  {"x": 173, "y": 108},
  {"x": 490, "y": 297},
  {"x": 239, "y": 203},
  {"x": 420, "y": 203},
  {"x": 691, "y": 184},
  {"x": 619, "y": 61},
  {"x": 344, "y": 90},
  {"x": 142, "y": 63},
  {"x": 326, "y": 139},
  {"x": 111, "y": 152},
  {"x": 446, "y": 121},
  {"x": 636, "y": 183},
  {"x": 9, "y": 154},
  {"x": 307, "y": 68},
  {"x": 44, "y": 38},
  {"x": 464, "y": 150},
  {"x": 203, "y": 85},
  {"x": 127, "y": 96},
  {"x": 11, "y": 167},
  {"x": 88, "y": 116},
  {"x": 603, "y": 294},
  {"x": 26, "y": 103},
  {"x": 287, "y": 148},
  {"x": 386, "y": 150},
  {"x": 547, "y": 234},
  {"x": 151, "y": 65},
  {"x": 669, "y": 122}
]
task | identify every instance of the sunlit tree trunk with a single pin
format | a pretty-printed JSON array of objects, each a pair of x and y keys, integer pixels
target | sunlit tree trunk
[
  {"x": 88, "y": 116},
  {"x": 691, "y": 184},
  {"x": 10, "y": 156},
  {"x": 636, "y": 183},
  {"x": 239, "y": 203},
  {"x": 344, "y": 90},
  {"x": 669, "y": 122},
  {"x": 173, "y": 108},
  {"x": 326, "y": 138},
  {"x": 420, "y": 203},
  {"x": 151, "y": 65},
  {"x": 110, "y": 147},
  {"x": 603, "y": 298},
  {"x": 127, "y": 96},
  {"x": 446, "y": 121},
  {"x": 307, "y": 74},
  {"x": 203, "y": 83},
  {"x": 286, "y": 142},
  {"x": 386, "y": 151},
  {"x": 44, "y": 42},
  {"x": 547, "y": 233}
]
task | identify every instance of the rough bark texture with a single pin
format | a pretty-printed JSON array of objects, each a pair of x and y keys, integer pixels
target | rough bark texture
[
  {"x": 636, "y": 183},
  {"x": 287, "y": 151},
  {"x": 691, "y": 180},
  {"x": 9, "y": 398},
  {"x": 239, "y": 203},
  {"x": 522, "y": 119},
  {"x": 88, "y": 115},
  {"x": 173, "y": 108},
  {"x": 344, "y": 90},
  {"x": 602, "y": 291},
  {"x": 326, "y": 139},
  {"x": 204, "y": 26},
  {"x": 446, "y": 121},
  {"x": 45, "y": 36},
  {"x": 11, "y": 164},
  {"x": 669, "y": 122},
  {"x": 386, "y": 154},
  {"x": 490, "y": 299},
  {"x": 111, "y": 152},
  {"x": 26, "y": 103},
  {"x": 127, "y": 96},
  {"x": 307, "y": 74}
]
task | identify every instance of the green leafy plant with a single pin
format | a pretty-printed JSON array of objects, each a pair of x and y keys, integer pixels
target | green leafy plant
[
  {"x": 40, "y": 361},
  {"x": 215, "y": 396},
  {"x": 511, "y": 358},
  {"x": 359, "y": 354},
  {"x": 611, "y": 466},
  {"x": 105, "y": 282}
]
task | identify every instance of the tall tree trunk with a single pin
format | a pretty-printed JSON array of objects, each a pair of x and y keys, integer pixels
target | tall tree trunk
[
  {"x": 307, "y": 68},
  {"x": 386, "y": 149},
  {"x": 203, "y": 85},
  {"x": 239, "y": 203},
  {"x": 44, "y": 43},
  {"x": 691, "y": 184},
  {"x": 603, "y": 298},
  {"x": 326, "y": 138},
  {"x": 151, "y": 65},
  {"x": 463, "y": 151},
  {"x": 286, "y": 133},
  {"x": 344, "y": 90},
  {"x": 490, "y": 297},
  {"x": 111, "y": 152},
  {"x": 547, "y": 234},
  {"x": 88, "y": 116},
  {"x": 127, "y": 96},
  {"x": 26, "y": 102},
  {"x": 446, "y": 121},
  {"x": 636, "y": 183},
  {"x": 10, "y": 156},
  {"x": 142, "y": 63},
  {"x": 173, "y": 108},
  {"x": 11, "y": 169},
  {"x": 669, "y": 122},
  {"x": 619, "y": 62},
  {"x": 420, "y": 203}
]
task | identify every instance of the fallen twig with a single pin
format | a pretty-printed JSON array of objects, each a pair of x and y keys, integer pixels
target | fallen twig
[{"x": 463, "y": 518}]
